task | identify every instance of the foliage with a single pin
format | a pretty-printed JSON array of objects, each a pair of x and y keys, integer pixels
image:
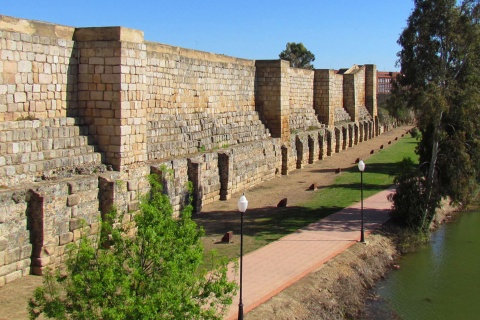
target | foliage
[
  {"x": 153, "y": 274},
  {"x": 408, "y": 204},
  {"x": 440, "y": 81},
  {"x": 414, "y": 132},
  {"x": 298, "y": 55}
]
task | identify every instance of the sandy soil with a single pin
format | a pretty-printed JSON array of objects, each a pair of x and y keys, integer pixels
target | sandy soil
[{"x": 294, "y": 187}]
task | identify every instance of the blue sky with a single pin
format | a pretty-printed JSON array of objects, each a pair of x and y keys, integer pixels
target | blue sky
[{"x": 339, "y": 33}]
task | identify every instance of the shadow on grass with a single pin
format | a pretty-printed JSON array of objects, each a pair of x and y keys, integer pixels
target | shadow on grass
[
  {"x": 271, "y": 223},
  {"x": 261, "y": 222}
]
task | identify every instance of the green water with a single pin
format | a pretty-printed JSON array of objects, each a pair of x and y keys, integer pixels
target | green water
[{"x": 440, "y": 281}]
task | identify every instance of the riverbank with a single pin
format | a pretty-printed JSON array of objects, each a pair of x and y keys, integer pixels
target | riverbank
[{"x": 340, "y": 288}]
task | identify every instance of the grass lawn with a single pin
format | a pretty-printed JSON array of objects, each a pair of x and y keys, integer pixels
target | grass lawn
[{"x": 268, "y": 226}]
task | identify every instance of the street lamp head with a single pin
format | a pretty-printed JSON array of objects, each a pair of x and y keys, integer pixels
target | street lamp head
[
  {"x": 361, "y": 165},
  {"x": 242, "y": 204}
]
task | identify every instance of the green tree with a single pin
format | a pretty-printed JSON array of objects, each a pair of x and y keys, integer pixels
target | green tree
[
  {"x": 298, "y": 55},
  {"x": 440, "y": 81},
  {"x": 153, "y": 274}
]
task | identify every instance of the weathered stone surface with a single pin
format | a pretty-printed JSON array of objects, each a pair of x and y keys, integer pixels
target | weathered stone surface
[
  {"x": 3, "y": 243},
  {"x": 66, "y": 238},
  {"x": 73, "y": 200}
]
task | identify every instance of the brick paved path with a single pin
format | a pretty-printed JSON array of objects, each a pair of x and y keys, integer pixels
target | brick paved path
[{"x": 272, "y": 268}]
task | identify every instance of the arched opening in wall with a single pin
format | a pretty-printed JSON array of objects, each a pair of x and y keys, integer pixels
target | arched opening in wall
[
  {"x": 299, "y": 148},
  {"x": 344, "y": 138},
  {"x": 106, "y": 195},
  {"x": 311, "y": 150},
  {"x": 338, "y": 139},
  {"x": 355, "y": 129},
  {"x": 329, "y": 143},
  {"x": 223, "y": 170},
  {"x": 193, "y": 172},
  {"x": 321, "y": 145},
  {"x": 370, "y": 130},
  {"x": 365, "y": 131},
  {"x": 361, "y": 133},
  {"x": 284, "y": 160},
  {"x": 35, "y": 214},
  {"x": 350, "y": 135}
]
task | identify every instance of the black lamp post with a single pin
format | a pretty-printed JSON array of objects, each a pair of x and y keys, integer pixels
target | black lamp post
[
  {"x": 242, "y": 207},
  {"x": 361, "y": 167}
]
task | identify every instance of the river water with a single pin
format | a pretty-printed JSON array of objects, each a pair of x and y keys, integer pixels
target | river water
[{"x": 439, "y": 281}]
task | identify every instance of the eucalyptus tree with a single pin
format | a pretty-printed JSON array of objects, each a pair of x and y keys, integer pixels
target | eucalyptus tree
[{"x": 440, "y": 81}]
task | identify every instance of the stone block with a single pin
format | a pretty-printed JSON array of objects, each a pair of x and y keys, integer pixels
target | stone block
[
  {"x": 133, "y": 206},
  {"x": 13, "y": 276},
  {"x": 23, "y": 264},
  {"x": 76, "y": 223},
  {"x": 6, "y": 269},
  {"x": 228, "y": 237},
  {"x": 282, "y": 203},
  {"x": 20, "y": 97},
  {"x": 65, "y": 238},
  {"x": 73, "y": 200},
  {"x": 132, "y": 185},
  {"x": 95, "y": 228},
  {"x": 12, "y": 256},
  {"x": 3, "y": 243}
]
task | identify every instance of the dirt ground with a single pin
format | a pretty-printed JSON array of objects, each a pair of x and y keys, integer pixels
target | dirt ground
[{"x": 294, "y": 187}]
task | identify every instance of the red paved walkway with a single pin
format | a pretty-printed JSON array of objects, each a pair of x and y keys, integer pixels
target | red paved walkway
[{"x": 270, "y": 269}]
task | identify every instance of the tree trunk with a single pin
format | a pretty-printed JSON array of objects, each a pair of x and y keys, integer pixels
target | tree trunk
[{"x": 431, "y": 199}]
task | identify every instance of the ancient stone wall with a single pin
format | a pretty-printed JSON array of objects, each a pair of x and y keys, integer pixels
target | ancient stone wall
[
  {"x": 354, "y": 90},
  {"x": 86, "y": 114},
  {"x": 37, "y": 70},
  {"x": 328, "y": 95},
  {"x": 302, "y": 115}
]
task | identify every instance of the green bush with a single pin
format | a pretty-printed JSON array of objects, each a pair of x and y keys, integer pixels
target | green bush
[
  {"x": 149, "y": 269},
  {"x": 408, "y": 202}
]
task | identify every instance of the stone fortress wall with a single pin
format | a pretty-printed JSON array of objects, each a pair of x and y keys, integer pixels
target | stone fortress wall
[{"x": 87, "y": 113}]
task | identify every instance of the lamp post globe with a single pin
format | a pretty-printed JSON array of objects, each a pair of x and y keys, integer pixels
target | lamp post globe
[
  {"x": 361, "y": 165},
  {"x": 242, "y": 207},
  {"x": 361, "y": 168}
]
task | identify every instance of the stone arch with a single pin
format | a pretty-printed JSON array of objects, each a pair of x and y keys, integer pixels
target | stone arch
[
  {"x": 35, "y": 223},
  {"x": 350, "y": 135},
  {"x": 321, "y": 146},
  {"x": 329, "y": 143},
  {"x": 284, "y": 160},
  {"x": 344, "y": 138},
  {"x": 338, "y": 139},
  {"x": 311, "y": 150},
  {"x": 299, "y": 149},
  {"x": 356, "y": 133}
]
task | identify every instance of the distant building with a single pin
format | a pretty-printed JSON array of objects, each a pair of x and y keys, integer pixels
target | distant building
[{"x": 384, "y": 81}]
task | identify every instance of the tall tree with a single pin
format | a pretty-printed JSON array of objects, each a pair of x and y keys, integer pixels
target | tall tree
[
  {"x": 155, "y": 274},
  {"x": 440, "y": 81},
  {"x": 298, "y": 55}
]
